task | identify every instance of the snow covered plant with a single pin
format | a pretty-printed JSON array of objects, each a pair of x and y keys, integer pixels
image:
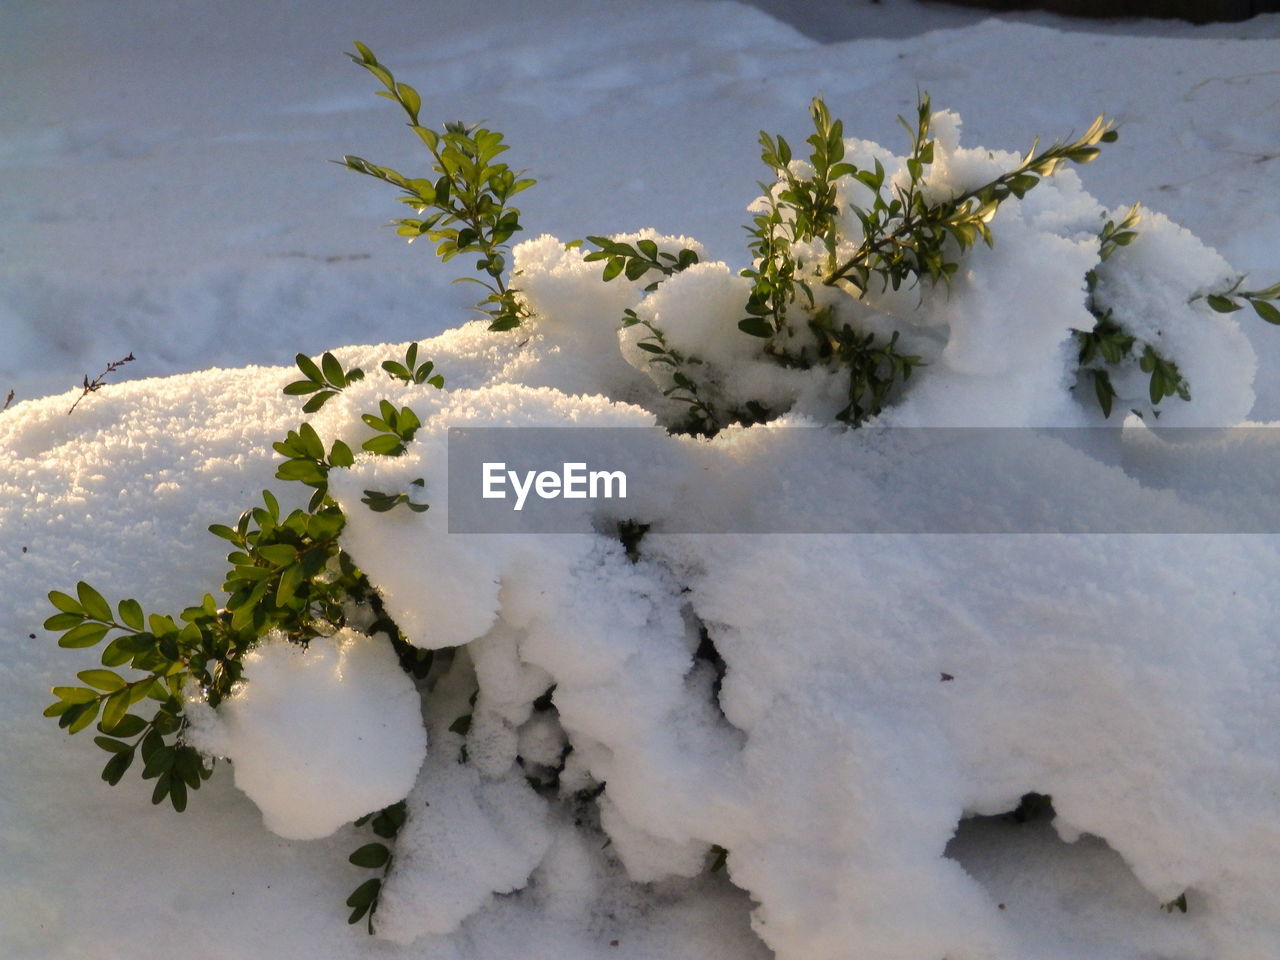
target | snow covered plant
[
  {"x": 299, "y": 611},
  {"x": 646, "y": 690},
  {"x": 855, "y": 256}
]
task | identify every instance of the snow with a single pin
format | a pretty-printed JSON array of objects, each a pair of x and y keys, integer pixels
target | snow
[
  {"x": 318, "y": 737},
  {"x": 879, "y": 696}
]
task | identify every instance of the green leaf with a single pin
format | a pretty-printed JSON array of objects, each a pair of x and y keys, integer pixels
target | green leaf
[
  {"x": 340, "y": 455},
  {"x": 225, "y": 532},
  {"x": 88, "y": 712},
  {"x": 161, "y": 790},
  {"x": 85, "y": 635},
  {"x": 318, "y": 401},
  {"x": 410, "y": 98},
  {"x": 290, "y": 580},
  {"x": 116, "y": 767},
  {"x": 157, "y": 761},
  {"x": 364, "y": 895},
  {"x": 93, "y": 603},
  {"x": 74, "y": 694},
  {"x": 333, "y": 370},
  {"x": 130, "y": 725},
  {"x": 385, "y": 444},
  {"x": 131, "y": 614},
  {"x": 309, "y": 368},
  {"x": 63, "y": 621},
  {"x": 113, "y": 746},
  {"x": 101, "y": 679},
  {"x": 1222, "y": 304},
  {"x": 506, "y": 322},
  {"x": 278, "y": 554},
  {"x": 756, "y": 327},
  {"x": 371, "y": 856},
  {"x": 113, "y": 710},
  {"x": 65, "y": 603},
  {"x": 1266, "y": 311}
]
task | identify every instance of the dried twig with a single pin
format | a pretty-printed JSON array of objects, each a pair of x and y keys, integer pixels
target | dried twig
[
  {"x": 7, "y": 400},
  {"x": 97, "y": 382}
]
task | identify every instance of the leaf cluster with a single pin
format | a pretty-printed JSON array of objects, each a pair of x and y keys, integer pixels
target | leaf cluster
[
  {"x": 410, "y": 371},
  {"x": 1264, "y": 302},
  {"x": 909, "y": 235},
  {"x": 323, "y": 382},
  {"x": 684, "y": 389},
  {"x": 163, "y": 658},
  {"x": 386, "y": 823},
  {"x": 467, "y": 202},
  {"x": 1110, "y": 344},
  {"x": 287, "y": 573},
  {"x": 873, "y": 367},
  {"x": 634, "y": 261}
]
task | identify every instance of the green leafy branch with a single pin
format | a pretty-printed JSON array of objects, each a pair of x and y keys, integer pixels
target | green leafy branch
[
  {"x": 410, "y": 371},
  {"x": 684, "y": 389},
  {"x": 905, "y": 235},
  {"x": 395, "y": 429},
  {"x": 798, "y": 209},
  {"x": 874, "y": 368},
  {"x": 1263, "y": 301},
  {"x": 634, "y": 262},
  {"x": 468, "y": 199},
  {"x": 323, "y": 382},
  {"x": 1110, "y": 344},
  {"x": 202, "y": 651},
  {"x": 307, "y": 463},
  {"x": 1119, "y": 234},
  {"x": 386, "y": 824}
]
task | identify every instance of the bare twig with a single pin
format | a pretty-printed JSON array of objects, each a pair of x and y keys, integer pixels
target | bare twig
[
  {"x": 7, "y": 400},
  {"x": 97, "y": 382}
]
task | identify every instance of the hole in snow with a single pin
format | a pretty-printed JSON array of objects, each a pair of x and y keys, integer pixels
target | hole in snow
[{"x": 1068, "y": 901}]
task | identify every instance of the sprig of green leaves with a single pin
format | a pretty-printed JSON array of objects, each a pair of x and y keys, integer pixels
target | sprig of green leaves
[
  {"x": 386, "y": 824},
  {"x": 468, "y": 200},
  {"x": 323, "y": 382},
  {"x": 634, "y": 261},
  {"x": 684, "y": 389},
  {"x": 1264, "y": 302},
  {"x": 410, "y": 371}
]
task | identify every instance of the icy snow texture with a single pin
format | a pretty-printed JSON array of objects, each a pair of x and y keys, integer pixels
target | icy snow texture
[
  {"x": 319, "y": 736},
  {"x": 467, "y": 838}
]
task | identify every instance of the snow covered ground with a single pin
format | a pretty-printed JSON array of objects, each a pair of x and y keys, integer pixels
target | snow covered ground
[{"x": 167, "y": 195}]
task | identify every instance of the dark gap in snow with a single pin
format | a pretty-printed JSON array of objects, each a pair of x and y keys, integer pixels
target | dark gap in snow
[{"x": 707, "y": 653}]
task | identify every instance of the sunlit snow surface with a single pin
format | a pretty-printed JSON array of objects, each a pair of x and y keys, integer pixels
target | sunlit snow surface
[{"x": 168, "y": 196}]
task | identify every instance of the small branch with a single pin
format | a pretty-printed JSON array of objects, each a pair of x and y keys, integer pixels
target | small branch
[
  {"x": 7, "y": 400},
  {"x": 90, "y": 386}
]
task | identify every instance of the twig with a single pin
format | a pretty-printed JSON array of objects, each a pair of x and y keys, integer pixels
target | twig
[
  {"x": 7, "y": 400},
  {"x": 92, "y": 385}
]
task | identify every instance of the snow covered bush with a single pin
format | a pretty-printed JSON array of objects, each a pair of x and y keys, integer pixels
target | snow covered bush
[{"x": 809, "y": 717}]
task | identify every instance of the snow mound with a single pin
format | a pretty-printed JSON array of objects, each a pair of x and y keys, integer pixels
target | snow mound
[{"x": 319, "y": 736}]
